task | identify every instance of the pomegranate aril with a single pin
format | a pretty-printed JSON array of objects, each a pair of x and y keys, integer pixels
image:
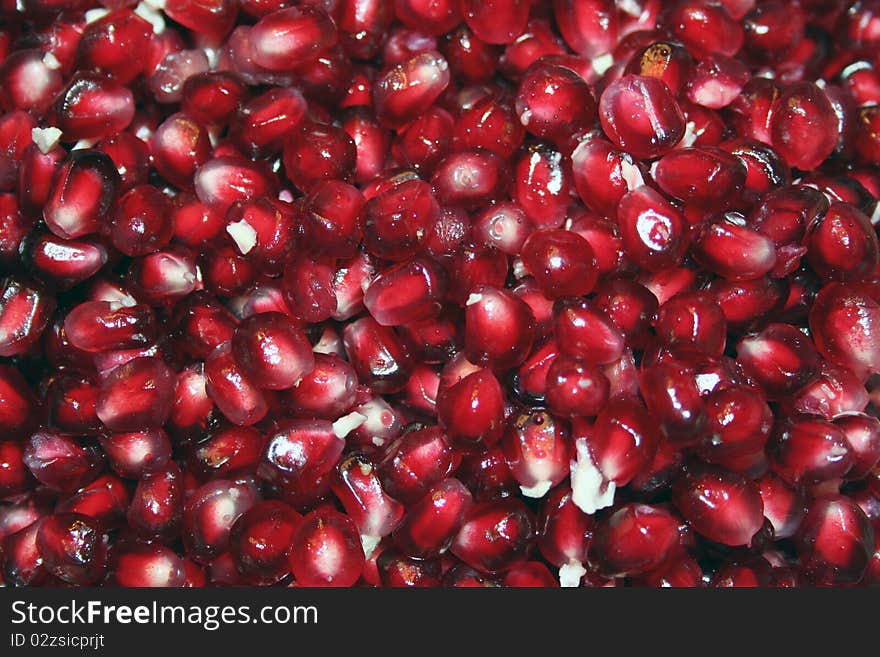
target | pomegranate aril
[
  {"x": 92, "y": 106},
  {"x": 212, "y": 97},
  {"x": 236, "y": 396},
  {"x": 143, "y": 565},
  {"x": 472, "y": 410},
  {"x": 136, "y": 395},
  {"x": 730, "y": 248},
  {"x": 210, "y": 513},
  {"x": 107, "y": 44},
  {"x": 404, "y": 91},
  {"x": 780, "y": 359},
  {"x": 156, "y": 510},
  {"x": 31, "y": 84},
  {"x": 22, "y": 562},
  {"x": 272, "y": 350},
  {"x": 284, "y": 39},
  {"x": 362, "y": 25},
  {"x": 809, "y": 451},
  {"x": 498, "y": 21},
  {"x": 845, "y": 324},
  {"x": 73, "y": 548},
  {"x": 223, "y": 180},
  {"x": 640, "y": 115},
  {"x": 804, "y": 128},
  {"x": 587, "y": 333},
  {"x": 377, "y": 355},
  {"x": 82, "y": 194},
  {"x": 835, "y": 541},
  {"x": 259, "y": 541},
  {"x": 542, "y": 185},
  {"x": 358, "y": 487},
  {"x": 538, "y": 450},
  {"x": 634, "y": 540},
  {"x": 842, "y": 244},
  {"x": 784, "y": 505},
  {"x": 415, "y": 462},
  {"x": 179, "y": 146},
  {"x": 326, "y": 551},
  {"x": 575, "y": 388},
  {"x": 722, "y": 506},
  {"x": 495, "y": 535},
  {"x": 212, "y": 19},
  {"x": 327, "y": 391}
]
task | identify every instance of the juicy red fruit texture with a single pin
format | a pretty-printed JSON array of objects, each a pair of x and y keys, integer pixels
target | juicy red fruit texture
[{"x": 439, "y": 293}]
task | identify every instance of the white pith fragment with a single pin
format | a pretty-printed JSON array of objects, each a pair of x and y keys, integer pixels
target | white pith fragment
[
  {"x": 519, "y": 269},
  {"x": 369, "y": 543},
  {"x": 630, "y": 7},
  {"x": 589, "y": 490},
  {"x": 690, "y": 136},
  {"x": 213, "y": 55},
  {"x": 243, "y": 234},
  {"x": 348, "y": 423},
  {"x": 473, "y": 298},
  {"x": 538, "y": 490},
  {"x": 158, "y": 5},
  {"x": 84, "y": 144},
  {"x": 46, "y": 138},
  {"x": 328, "y": 344},
  {"x": 631, "y": 175},
  {"x": 51, "y": 62},
  {"x": 93, "y": 15},
  {"x": 150, "y": 14},
  {"x": 875, "y": 216},
  {"x": 602, "y": 63},
  {"x": 378, "y": 442},
  {"x": 570, "y": 574}
]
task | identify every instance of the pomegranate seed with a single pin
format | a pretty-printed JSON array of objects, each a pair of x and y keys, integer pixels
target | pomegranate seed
[
  {"x": 235, "y": 395},
  {"x": 93, "y": 107},
  {"x": 157, "y": 506},
  {"x": 286, "y": 38},
  {"x": 326, "y": 551},
  {"x": 845, "y": 324},
  {"x": 259, "y": 540},
  {"x": 495, "y": 536},
  {"x": 145, "y": 565},
  {"x": 210, "y": 514},
  {"x": 780, "y": 359},
  {"x": 136, "y": 395},
  {"x": 82, "y": 194},
  {"x": 835, "y": 541},
  {"x": 72, "y": 548},
  {"x": 722, "y": 506},
  {"x": 634, "y": 540},
  {"x": 406, "y": 90},
  {"x": 804, "y": 128},
  {"x": 272, "y": 351}
]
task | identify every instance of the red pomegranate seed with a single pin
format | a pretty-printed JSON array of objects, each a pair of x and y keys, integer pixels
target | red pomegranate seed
[
  {"x": 136, "y": 395},
  {"x": 73, "y": 548},
  {"x": 210, "y": 514},
  {"x": 722, "y": 506},
  {"x": 634, "y": 540},
  {"x": 156, "y": 510},
  {"x": 272, "y": 351},
  {"x": 835, "y": 541},
  {"x": 145, "y": 565},
  {"x": 326, "y": 551},
  {"x": 845, "y": 324},
  {"x": 82, "y": 194},
  {"x": 236, "y": 396},
  {"x": 259, "y": 541}
]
